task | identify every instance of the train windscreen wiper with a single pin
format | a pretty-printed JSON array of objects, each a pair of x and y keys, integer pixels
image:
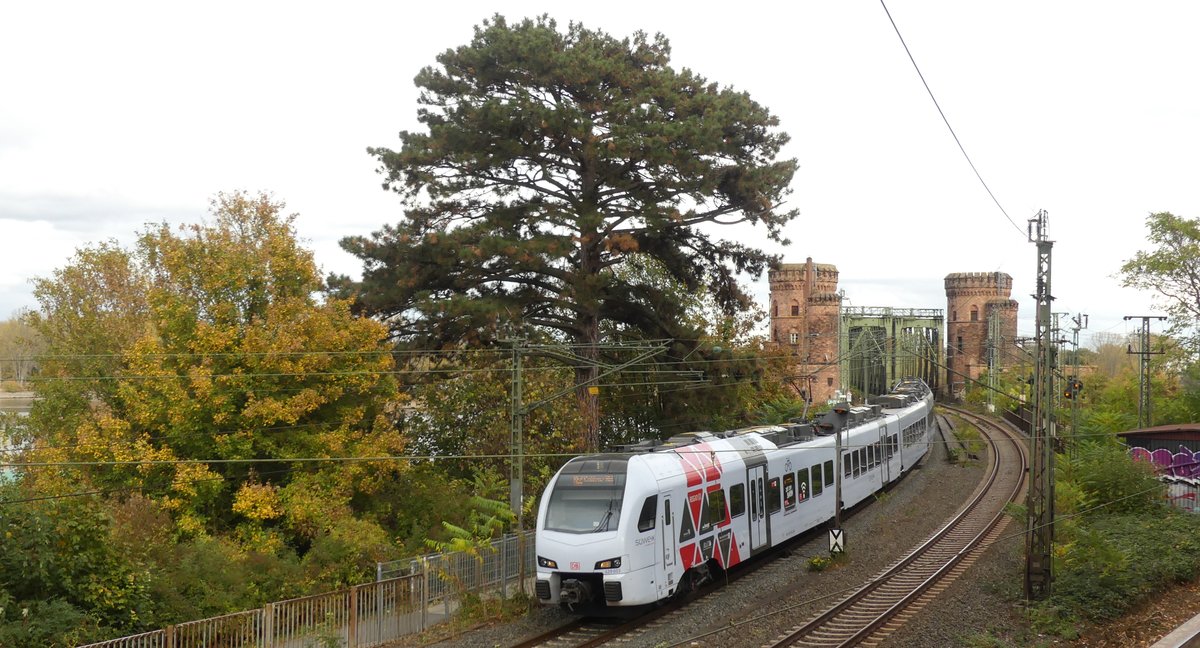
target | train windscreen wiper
[{"x": 602, "y": 525}]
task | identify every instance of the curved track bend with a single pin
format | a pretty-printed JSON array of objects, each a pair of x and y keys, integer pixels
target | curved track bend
[{"x": 868, "y": 615}]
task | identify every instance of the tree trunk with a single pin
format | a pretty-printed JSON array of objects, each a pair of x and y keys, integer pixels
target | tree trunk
[
  {"x": 587, "y": 392},
  {"x": 586, "y": 389}
]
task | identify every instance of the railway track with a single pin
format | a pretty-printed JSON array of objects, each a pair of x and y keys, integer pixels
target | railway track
[
  {"x": 948, "y": 545},
  {"x": 588, "y": 632},
  {"x": 872, "y": 612},
  {"x": 581, "y": 633}
]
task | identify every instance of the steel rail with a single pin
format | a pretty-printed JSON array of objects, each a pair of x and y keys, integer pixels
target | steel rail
[{"x": 866, "y": 611}]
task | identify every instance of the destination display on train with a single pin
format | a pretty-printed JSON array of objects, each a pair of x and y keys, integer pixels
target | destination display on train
[{"x": 593, "y": 480}]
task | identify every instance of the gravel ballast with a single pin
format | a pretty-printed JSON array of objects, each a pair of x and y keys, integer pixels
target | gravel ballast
[{"x": 756, "y": 609}]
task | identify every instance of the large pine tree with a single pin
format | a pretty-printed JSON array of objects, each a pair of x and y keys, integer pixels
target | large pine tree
[{"x": 549, "y": 159}]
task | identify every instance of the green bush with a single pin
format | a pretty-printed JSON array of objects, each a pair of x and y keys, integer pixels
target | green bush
[
  {"x": 1119, "y": 560},
  {"x": 1117, "y": 542},
  {"x": 1110, "y": 480},
  {"x": 53, "y": 623},
  {"x": 206, "y": 577},
  {"x": 62, "y": 578}
]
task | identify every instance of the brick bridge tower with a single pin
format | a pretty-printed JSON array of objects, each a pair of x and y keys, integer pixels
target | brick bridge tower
[
  {"x": 805, "y": 308},
  {"x": 972, "y": 299}
]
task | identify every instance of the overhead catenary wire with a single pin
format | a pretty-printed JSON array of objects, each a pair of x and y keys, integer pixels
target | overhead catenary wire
[
  {"x": 396, "y": 458},
  {"x": 109, "y": 445},
  {"x": 392, "y": 351},
  {"x": 982, "y": 546},
  {"x": 133, "y": 489},
  {"x": 947, "y": 121},
  {"x": 681, "y": 386}
]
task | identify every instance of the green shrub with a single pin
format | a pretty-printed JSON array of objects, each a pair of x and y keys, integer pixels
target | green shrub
[
  {"x": 1117, "y": 543},
  {"x": 1117, "y": 561},
  {"x": 821, "y": 563},
  {"x": 44, "y": 624},
  {"x": 1108, "y": 478}
]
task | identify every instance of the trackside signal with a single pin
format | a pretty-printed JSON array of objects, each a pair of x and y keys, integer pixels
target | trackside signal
[{"x": 1072, "y": 389}]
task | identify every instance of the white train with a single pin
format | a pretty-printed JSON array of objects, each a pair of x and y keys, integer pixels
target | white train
[{"x": 635, "y": 528}]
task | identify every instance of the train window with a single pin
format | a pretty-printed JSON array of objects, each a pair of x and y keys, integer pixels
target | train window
[
  {"x": 874, "y": 454},
  {"x": 754, "y": 505},
  {"x": 737, "y": 500},
  {"x": 818, "y": 486},
  {"x": 649, "y": 512},
  {"x": 587, "y": 497},
  {"x": 847, "y": 463},
  {"x": 862, "y": 460},
  {"x": 829, "y": 476},
  {"x": 713, "y": 512},
  {"x": 687, "y": 527},
  {"x": 762, "y": 507},
  {"x": 706, "y": 521},
  {"x": 802, "y": 484},
  {"x": 870, "y": 456},
  {"x": 789, "y": 491},
  {"x": 856, "y": 471},
  {"x": 773, "y": 495}
]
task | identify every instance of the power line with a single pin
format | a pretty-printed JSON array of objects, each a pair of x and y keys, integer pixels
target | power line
[
  {"x": 665, "y": 368},
  {"x": 604, "y": 346},
  {"x": 397, "y": 458},
  {"x": 982, "y": 546},
  {"x": 173, "y": 435},
  {"x": 947, "y": 121},
  {"x": 131, "y": 489}
]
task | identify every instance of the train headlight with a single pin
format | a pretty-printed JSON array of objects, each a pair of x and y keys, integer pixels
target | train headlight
[
  {"x": 611, "y": 563},
  {"x": 547, "y": 563}
]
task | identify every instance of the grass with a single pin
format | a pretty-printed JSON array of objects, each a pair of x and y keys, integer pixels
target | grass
[{"x": 968, "y": 435}]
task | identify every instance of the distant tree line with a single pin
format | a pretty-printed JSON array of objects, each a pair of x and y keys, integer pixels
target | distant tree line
[
  {"x": 208, "y": 403},
  {"x": 20, "y": 346}
]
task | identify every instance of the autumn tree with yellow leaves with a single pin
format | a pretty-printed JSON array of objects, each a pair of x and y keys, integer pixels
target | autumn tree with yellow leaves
[{"x": 200, "y": 369}]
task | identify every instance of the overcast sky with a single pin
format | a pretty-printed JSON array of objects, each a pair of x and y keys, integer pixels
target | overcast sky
[{"x": 116, "y": 114}]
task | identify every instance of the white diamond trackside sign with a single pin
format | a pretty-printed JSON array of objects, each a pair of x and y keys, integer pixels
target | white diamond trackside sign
[{"x": 837, "y": 541}]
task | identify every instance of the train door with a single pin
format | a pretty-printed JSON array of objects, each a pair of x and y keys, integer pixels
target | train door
[
  {"x": 756, "y": 480},
  {"x": 668, "y": 527},
  {"x": 885, "y": 454}
]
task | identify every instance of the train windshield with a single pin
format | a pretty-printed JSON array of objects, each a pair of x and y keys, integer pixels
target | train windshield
[{"x": 587, "y": 496}]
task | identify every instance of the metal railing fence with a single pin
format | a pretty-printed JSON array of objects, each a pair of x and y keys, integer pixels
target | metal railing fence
[
  {"x": 361, "y": 616},
  {"x": 1183, "y": 493}
]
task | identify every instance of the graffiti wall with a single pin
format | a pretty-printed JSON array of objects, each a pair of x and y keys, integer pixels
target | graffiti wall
[
  {"x": 1180, "y": 471},
  {"x": 1184, "y": 463}
]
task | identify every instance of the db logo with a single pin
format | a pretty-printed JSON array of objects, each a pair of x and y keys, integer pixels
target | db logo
[{"x": 575, "y": 566}]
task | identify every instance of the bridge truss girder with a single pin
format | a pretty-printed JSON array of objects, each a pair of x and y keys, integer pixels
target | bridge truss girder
[{"x": 879, "y": 346}]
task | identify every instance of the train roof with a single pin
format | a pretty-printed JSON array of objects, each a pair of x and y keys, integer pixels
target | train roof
[{"x": 904, "y": 394}]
